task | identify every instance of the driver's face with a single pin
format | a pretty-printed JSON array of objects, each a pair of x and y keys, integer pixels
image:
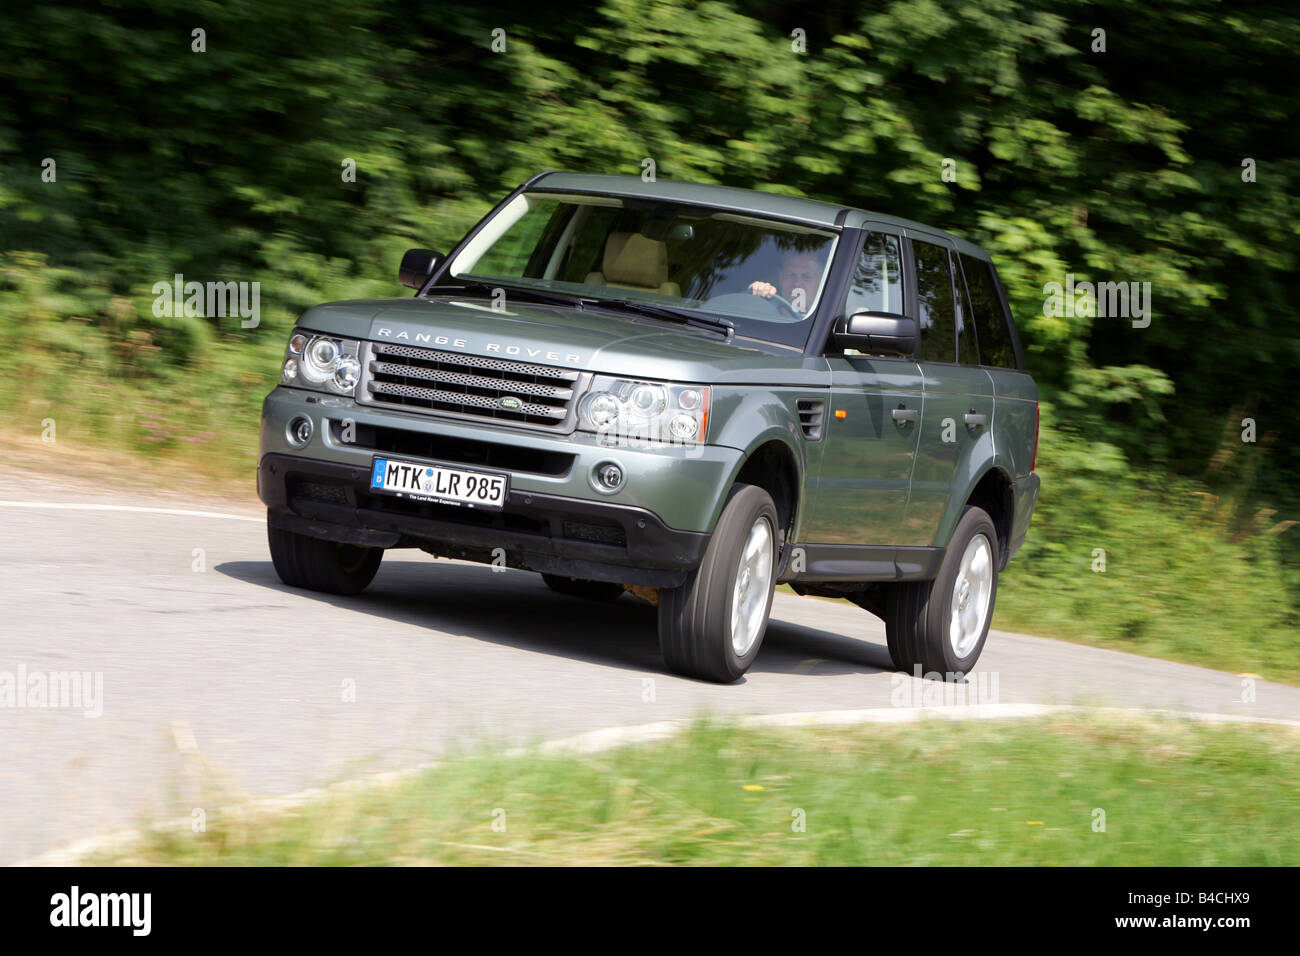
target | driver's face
[{"x": 799, "y": 272}]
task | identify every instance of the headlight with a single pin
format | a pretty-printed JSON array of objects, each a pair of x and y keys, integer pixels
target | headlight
[
  {"x": 325, "y": 363},
  {"x": 622, "y": 408},
  {"x": 347, "y": 371}
]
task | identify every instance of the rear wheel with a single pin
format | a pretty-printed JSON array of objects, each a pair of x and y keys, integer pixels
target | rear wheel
[
  {"x": 318, "y": 565},
  {"x": 713, "y": 625},
  {"x": 577, "y": 587},
  {"x": 941, "y": 625}
]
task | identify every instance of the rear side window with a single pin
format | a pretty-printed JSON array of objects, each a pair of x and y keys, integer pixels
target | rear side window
[
  {"x": 934, "y": 302},
  {"x": 878, "y": 279},
  {"x": 991, "y": 322},
  {"x": 968, "y": 352}
]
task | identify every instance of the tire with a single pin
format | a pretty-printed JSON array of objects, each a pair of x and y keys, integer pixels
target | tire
[
  {"x": 919, "y": 618},
  {"x": 318, "y": 565},
  {"x": 577, "y": 587},
  {"x": 700, "y": 632}
]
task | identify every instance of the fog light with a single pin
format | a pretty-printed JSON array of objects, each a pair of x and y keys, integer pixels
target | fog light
[
  {"x": 299, "y": 431},
  {"x": 607, "y": 476}
]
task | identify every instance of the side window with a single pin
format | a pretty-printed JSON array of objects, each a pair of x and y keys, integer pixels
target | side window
[
  {"x": 968, "y": 352},
  {"x": 934, "y": 302},
  {"x": 878, "y": 280},
  {"x": 990, "y": 320}
]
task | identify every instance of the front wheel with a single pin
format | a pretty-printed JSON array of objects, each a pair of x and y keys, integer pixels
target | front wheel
[
  {"x": 941, "y": 625},
  {"x": 318, "y": 565},
  {"x": 713, "y": 625}
]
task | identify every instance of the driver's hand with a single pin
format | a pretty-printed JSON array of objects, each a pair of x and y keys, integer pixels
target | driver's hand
[{"x": 765, "y": 289}]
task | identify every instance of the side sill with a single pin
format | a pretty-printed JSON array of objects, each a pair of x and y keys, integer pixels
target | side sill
[{"x": 851, "y": 563}]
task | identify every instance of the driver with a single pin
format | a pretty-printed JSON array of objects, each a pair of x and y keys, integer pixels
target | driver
[{"x": 796, "y": 282}]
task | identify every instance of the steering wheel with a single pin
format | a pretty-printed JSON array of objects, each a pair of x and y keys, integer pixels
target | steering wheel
[{"x": 781, "y": 303}]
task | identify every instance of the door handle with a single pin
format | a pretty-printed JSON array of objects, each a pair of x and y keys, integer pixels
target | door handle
[
  {"x": 974, "y": 419},
  {"x": 903, "y": 414}
]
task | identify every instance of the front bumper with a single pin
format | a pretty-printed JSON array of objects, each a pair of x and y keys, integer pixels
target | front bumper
[{"x": 652, "y": 532}]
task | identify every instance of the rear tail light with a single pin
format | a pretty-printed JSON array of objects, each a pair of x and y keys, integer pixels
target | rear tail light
[{"x": 1034, "y": 462}]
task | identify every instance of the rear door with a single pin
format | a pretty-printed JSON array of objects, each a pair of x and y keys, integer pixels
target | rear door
[
  {"x": 1017, "y": 396},
  {"x": 956, "y": 427},
  {"x": 871, "y": 424}
]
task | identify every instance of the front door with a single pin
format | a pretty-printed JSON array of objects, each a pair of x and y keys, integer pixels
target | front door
[{"x": 873, "y": 418}]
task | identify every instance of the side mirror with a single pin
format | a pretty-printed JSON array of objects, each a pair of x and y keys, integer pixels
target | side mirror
[
  {"x": 417, "y": 265},
  {"x": 879, "y": 332}
]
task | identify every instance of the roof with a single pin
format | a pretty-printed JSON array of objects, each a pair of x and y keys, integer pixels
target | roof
[{"x": 793, "y": 208}]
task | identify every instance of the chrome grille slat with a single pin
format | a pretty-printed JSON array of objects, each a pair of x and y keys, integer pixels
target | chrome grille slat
[
  {"x": 463, "y": 398},
  {"x": 472, "y": 381},
  {"x": 440, "y": 382},
  {"x": 475, "y": 361}
]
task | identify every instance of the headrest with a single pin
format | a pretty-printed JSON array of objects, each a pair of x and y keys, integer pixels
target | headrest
[{"x": 632, "y": 259}]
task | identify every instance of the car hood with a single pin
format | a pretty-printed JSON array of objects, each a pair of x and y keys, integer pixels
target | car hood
[{"x": 557, "y": 335}]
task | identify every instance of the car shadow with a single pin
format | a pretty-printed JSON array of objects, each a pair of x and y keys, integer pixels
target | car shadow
[{"x": 516, "y": 609}]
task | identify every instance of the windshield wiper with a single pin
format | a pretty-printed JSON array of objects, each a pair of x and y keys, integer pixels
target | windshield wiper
[
  {"x": 712, "y": 323},
  {"x": 523, "y": 292},
  {"x": 679, "y": 316}
]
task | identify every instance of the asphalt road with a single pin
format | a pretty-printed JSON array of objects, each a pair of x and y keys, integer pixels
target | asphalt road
[{"x": 221, "y": 684}]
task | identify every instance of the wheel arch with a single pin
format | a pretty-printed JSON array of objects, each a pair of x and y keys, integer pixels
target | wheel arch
[
  {"x": 994, "y": 492},
  {"x": 775, "y": 465}
]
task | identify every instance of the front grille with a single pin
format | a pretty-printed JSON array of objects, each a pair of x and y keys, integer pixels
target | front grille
[
  {"x": 450, "y": 448},
  {"x": 470, "y": 517},
  {"x": 590, "y": 530},
  {"x": 473, "y": 386},
  {"x": 603, "y": 533},
  {"x": 318, "y": 491}
]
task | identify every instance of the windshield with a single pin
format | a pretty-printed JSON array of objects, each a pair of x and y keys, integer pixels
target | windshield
[{"x": 765, "y": 276}]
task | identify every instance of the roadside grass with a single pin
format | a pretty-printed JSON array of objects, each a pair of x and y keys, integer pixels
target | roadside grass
[
  {"x": 1157, "y": 566},
  {"x": 1173, "y": 793},
  {"x": 200, "y": 426}
]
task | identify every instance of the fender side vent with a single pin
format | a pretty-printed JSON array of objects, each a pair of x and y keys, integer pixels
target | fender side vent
[{"x": 811, "y": 413}]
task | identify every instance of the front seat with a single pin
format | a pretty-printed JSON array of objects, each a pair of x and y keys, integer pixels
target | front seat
[{"x": 634, "y": 262}]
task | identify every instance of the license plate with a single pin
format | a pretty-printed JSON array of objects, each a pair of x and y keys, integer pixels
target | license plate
[{"x": 440, "y": 484}]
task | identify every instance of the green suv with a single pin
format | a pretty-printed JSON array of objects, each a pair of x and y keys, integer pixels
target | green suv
[{"x": 692, "y": 392}]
